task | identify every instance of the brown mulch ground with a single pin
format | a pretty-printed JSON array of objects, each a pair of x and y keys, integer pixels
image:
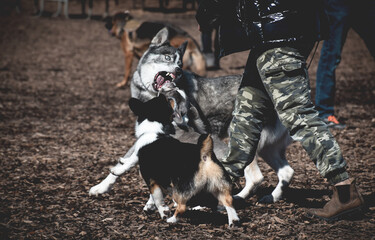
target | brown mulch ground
[{"x": 63, "y": 124}]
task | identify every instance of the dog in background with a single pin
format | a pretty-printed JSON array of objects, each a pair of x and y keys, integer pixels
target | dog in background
[
  {"x": 136, "y": 36},
  {"x": 166, "y": 162}
]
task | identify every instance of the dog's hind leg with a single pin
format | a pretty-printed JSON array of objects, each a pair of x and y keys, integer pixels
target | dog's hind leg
[
  {"x": 253, "y": 178},
  {"x": 150, "y": 205},
  {"x": 157, "y": 195},
  {"x": 181, "y": 208},
  {"x": 124, "y": 165},
  {"x": 226, "y": 199},
  {"x": 275, "y": 157}
]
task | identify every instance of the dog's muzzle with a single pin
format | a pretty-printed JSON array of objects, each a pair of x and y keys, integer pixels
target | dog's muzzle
[
  {"x": 163, "y": 78},
  {"x": 179, "y": 117}
]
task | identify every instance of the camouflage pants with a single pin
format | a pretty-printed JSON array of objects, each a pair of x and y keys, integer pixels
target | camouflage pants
[{"x": 287, "y": 90}]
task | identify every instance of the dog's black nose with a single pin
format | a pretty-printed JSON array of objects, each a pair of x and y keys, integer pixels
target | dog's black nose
[{"x": 178, "y": 71}]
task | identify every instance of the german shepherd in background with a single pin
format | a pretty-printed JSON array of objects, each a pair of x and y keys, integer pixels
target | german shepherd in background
[{"x": 136, "y": 37}]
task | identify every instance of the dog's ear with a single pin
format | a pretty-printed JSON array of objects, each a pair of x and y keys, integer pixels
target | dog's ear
[
  {"x": 206, "y": 145},
  {"x": 163, "y": 100},
  {"x": 182, "y": 48},
  {"x": 136, "y": 106},
  {"x": 160, "y": 38}
]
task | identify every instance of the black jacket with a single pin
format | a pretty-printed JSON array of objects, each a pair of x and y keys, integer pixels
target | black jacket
[{"x": 246, "y": 24}]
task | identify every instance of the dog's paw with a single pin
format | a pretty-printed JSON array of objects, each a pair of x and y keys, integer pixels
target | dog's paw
[
  {"x": 164, "y": 212},
  {"x": 267, "y": 199},
  {"x": 172, "y": 219},
  {"x": 235, "y": 223},
  {"x": 99, "y": 189},
  {"x": 121, "y": 84},
  {"x": 149, "y": 208},
  {"x": 239, "y": 202}
]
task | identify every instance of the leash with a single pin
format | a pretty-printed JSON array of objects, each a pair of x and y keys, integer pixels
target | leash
[{"x": 312, "y": 57}]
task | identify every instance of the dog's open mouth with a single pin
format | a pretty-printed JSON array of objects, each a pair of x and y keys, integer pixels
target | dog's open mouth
[{"x": 162, "y": 78}]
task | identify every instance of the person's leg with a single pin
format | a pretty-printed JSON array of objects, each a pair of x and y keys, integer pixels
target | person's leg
[
  {"x": 338, "y": 13},
  {"x": 252, "y": 105},
  {"x": 285, "y": 77},
  {"x": 206, "y": 39},
  {"x": 284, "y": 74}
]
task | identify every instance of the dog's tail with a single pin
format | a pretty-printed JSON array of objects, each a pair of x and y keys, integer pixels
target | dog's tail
[{"x": 206, "y": 145}]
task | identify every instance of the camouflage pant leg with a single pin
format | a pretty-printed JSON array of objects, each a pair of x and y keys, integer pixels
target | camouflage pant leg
[
  {"x": 285, "y": 78},
  {"x": 245, "y": 128}
]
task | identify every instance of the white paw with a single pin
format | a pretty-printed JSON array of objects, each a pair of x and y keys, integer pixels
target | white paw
[
  {"x": 164, "y": 211},
  {"x": 99, "y": 189},
  {"x": 172, "y": 219},
  {"x": 233, "y": 223},
  {"x": 149, "y": 207}
]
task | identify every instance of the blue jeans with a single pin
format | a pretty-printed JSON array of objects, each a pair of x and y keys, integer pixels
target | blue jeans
[{"x": 343, "y": 14}]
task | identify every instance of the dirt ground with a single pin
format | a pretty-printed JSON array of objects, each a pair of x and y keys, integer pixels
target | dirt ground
[{"x": 63, "y": 124}]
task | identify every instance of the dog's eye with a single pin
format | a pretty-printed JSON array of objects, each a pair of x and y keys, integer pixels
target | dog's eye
[{"x": 168, "y": 58}]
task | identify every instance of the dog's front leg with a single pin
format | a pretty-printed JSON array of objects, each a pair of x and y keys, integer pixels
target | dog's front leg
[
  {"x": 124, "y": 165},
  {"x": 104, "y": 186},
  {"x": 128, "y": 49}
]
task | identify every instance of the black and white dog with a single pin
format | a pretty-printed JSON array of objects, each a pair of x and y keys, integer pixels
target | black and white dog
[
  {"x": 209, "y": 103},
  {"x": 166, "y": 162}
]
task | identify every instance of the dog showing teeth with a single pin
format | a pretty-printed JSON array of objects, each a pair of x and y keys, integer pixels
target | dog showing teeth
[
  {"x": 162, "y": 78},
  {"x": 204, "y": 105}
]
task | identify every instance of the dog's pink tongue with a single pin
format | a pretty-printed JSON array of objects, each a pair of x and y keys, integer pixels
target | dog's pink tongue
[{"x": 159, "y": 81}]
